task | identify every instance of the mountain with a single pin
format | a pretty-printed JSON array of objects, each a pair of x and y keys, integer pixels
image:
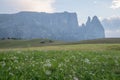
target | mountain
[
  {"x": 93, "y": 29},
  {"x": 57, "y": 26}
]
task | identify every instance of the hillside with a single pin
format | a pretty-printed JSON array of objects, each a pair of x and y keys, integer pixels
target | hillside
[
  {"x": 27, "y": 43},
  {"x": 62, "y": 62},
  {"x": 101, "y": 41},
  {"x": 46, "y": 42}
]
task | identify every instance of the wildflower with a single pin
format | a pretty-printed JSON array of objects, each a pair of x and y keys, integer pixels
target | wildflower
[
  {"x": 73, "y": 57},
  {"x": 48, "y": 65},
  {"x": 47, "y": 72},
  {"x": 18, "y": 51},
  {"x": 4, "y": 58},
  {"x": 47, "y": 61},
  {"x": 11, "y": 74},
  {"x": 60, "y": 65},
  {"x": 16, "y": 61},
  {"x": 103, "y": 70},
  {"x": 70, "y": 76},
  {"x": 15, "y": 57},
  {"x": 79, "y": 53},
  {"x": 87, "y": 60},
  {"x": 9, "y": 68},
  {"x": 116, "y": 62},
  {"x": 4, "y": 64},
  {"x": 61, "y": 69},
  {"x": 75, "y": 78},
  {"x": 33, "y": 65},
  {"x": 67, "y": 60}
]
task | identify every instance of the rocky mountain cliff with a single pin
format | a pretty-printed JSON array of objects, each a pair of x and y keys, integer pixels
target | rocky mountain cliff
[
  {"x": 57, "y": 26},
  {"x": 93, "y": 29}
]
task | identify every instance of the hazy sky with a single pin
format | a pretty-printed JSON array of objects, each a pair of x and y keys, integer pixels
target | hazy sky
[{"x": 84, "y": 8}]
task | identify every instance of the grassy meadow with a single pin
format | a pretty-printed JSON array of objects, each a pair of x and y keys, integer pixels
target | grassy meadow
[{"x": 61, "y": 62}]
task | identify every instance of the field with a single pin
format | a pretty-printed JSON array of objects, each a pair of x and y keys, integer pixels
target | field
[{"x": 61, "y": 62}]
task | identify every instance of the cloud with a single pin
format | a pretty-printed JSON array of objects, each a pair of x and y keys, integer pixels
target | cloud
[
  {"x": 95, "y": 2},
  {"x": 112, "y": 18},
  {"x": 115, "y": 4},
  {"x": 112, "y": 26},
  {"x": 112, "y": 33},
  {"x": 11, "y": 6}
]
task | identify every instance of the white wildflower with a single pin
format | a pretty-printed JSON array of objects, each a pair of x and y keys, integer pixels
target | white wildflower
[
  {"x": 4, "y": 58},
  {"x": 16, "y": 61},
  {"x": 79, "y": 53},
  {"x": 73, "y": 57},
  {"x": 67, "y": 60},
  {"x": 47, "y": 72},
  {"x": 60, "y": 65},
  {"x": 70, "y": 76},
  {"x": 33, "y": 65},
  {"x": 87, "y": 61},
  {"x": 75, "y": 78},
  {"x": 47, "y": 61},
  {"x": 47, "y": 65},
  {"x": 61, "y": 69},
  {"x": 116, "y": 62},
  {"x": 18, "y": 51},
  {"x": 15, "y": 57},
  {"x": 3, "y": 64},
  {"x": 102, "y": 70},
  {"x": 11, "y": 74},
  {"x": 9, "y": 68}
]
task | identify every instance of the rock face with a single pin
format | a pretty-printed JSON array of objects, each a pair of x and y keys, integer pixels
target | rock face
[
  {"x": 57, "y": 26},
  {"x": 93, "y": 29}
]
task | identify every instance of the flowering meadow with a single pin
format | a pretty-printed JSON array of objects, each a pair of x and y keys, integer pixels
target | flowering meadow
[{"x": 61, "y": 63}]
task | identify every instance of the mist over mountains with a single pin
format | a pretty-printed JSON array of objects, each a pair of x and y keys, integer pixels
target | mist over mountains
[
  {"x": 112, "y": 26},
  {"x": 57, "y": 26}
]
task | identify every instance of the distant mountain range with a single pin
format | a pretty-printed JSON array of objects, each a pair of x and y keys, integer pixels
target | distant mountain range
[{"x": 56, "y": 26}]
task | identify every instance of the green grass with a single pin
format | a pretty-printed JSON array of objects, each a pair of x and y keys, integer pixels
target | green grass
[
  {"x": 100, "y": 41},
  {"x": 37, "y": 42},
  {"x": 63, "y": 62},
  {"x": 26, "y": 43}
]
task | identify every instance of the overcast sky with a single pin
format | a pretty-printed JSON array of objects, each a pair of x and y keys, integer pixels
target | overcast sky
[{"x": 84, "y": 8}]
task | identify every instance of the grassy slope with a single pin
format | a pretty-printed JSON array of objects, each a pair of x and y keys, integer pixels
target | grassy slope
[
  {"x": 61, "y": 62},
  {"x": 74, "y": 47},
  {"x": 26, "y": 43},
  {"x": 104, "y": 40},
  {"x": 36, "y": 42}
]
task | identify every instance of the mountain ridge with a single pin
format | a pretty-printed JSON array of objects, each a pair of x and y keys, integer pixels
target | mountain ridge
[{"x": 58, "y": 26}]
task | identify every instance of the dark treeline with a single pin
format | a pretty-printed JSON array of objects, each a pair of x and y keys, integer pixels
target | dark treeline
[{"x": 8, "y": 38}]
